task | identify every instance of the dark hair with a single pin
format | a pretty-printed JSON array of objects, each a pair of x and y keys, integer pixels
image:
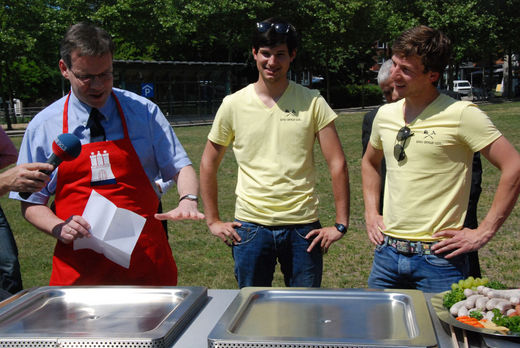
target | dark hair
[
  {"x": 89, "y": 39},
  {"x": 271, "y": 37},
  {"x": 431, "y": 45}
]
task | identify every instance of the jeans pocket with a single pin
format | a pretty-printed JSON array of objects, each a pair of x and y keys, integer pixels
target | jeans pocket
[
  {"x": 440, "y": 261},
  {"x": 247, "y": 233},
  {"x": 303, "y": 230},
  {"x": 380, "y": 247}
]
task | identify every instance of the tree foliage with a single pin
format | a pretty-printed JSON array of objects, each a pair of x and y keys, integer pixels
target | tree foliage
[
  {"x": 337, "y": 36},
  {"x": 27, "y": 40}
]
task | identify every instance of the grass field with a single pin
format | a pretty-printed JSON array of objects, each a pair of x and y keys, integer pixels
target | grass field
[{"x": 204, "y": 260}]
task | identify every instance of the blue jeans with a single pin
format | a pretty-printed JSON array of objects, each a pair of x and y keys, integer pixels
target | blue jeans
[
  {"x": 429, "y": 273},
  {"x": 261, "y": 246},
  {"x": 10, "y": 277}
]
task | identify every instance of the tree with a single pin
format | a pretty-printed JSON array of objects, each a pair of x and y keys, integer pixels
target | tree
[
  {"x": 507, "y": 31},
  {"x": 337, "y": 36},
  {"x": 213, "y": 30},
  {"x": 469, "y": 29},
  {"x": 27, "y": 49},
  {"x": 468, "y": 24}
]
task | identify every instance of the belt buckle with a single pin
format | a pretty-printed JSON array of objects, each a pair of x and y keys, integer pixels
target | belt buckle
[{"x": 403, "y": 246}]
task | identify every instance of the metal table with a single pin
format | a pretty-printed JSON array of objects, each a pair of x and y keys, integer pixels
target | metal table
[{"x": 195, "y": 335}]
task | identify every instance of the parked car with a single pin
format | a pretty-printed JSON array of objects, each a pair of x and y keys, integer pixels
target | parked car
[{"x": 462, "y": 86}]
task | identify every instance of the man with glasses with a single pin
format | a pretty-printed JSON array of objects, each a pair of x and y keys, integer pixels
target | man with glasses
[
  {"x": 131, "y": 140},
  {"x": 428, "y": 140},
  {"x": 273, "y": 124}
]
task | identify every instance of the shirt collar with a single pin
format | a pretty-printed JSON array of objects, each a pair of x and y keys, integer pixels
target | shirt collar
[{"x": 106, "y": 110}]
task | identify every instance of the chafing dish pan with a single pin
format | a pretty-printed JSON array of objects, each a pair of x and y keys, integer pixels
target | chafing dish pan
[
  {"x": 273, "y": 317},
  {"x": 112, "y": 316}
]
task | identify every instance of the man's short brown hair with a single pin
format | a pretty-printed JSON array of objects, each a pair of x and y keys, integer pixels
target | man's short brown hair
[
  {"x": 430, "y": 44},
  {"x": 88, "y": 39}
]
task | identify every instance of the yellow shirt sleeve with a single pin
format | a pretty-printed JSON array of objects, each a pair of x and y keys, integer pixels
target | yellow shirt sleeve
[
  {"x": 476, "y": 129},
  {"x": 222, "y": 132}
]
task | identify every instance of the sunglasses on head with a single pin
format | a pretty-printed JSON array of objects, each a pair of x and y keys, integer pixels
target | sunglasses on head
[
  {"x": 402, "y": 135},
  {"x": 280, "y": 28}
]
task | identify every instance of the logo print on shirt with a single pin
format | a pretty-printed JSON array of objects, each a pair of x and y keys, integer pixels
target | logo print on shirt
[
  {"x": 429, "y": 135},
  {"x": 291, "y": 115},
  {"x": 101, "y": 169}
]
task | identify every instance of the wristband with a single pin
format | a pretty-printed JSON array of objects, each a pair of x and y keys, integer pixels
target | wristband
[{"x": 190, "y": 197}]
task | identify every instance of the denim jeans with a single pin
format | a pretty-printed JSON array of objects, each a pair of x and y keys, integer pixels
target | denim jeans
[
  {"x": 10, "y": 277},
  {"x": 429, "y": 273},
  {"x": 261, "y": 246}
]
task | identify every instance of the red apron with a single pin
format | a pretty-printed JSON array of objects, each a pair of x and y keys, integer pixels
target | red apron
[{"x": 152, "y": 261}]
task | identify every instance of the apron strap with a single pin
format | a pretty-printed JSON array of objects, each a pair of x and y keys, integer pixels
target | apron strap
[{"x": 119, "y": 110}]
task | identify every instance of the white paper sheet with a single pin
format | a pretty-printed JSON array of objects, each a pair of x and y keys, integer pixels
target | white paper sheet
[{"x": 114, "y": 230}]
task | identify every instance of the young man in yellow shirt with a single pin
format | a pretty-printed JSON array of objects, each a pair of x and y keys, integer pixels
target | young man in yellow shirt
[
  {"x": 428, "y": 140},
  {"x": 272, "y": 125}
]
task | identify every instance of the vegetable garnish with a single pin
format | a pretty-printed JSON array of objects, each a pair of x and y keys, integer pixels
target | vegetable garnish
[
  {"x": 484, "y": 304},
  {"x": 470, "y": 321}
]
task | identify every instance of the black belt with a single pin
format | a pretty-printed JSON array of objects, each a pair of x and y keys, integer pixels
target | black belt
[{"x": 409, "y": 246}]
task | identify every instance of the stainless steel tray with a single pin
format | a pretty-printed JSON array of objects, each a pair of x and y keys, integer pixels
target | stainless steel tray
[
  {"x": 104, "y": 316},
  {"x": 274, "y": 317}
]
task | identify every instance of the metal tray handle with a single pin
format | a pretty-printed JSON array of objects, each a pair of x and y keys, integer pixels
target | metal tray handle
[{"x": 14, "y": 297}]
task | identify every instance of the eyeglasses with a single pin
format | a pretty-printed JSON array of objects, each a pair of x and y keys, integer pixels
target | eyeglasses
[
  {"x": 280, "y": 28},
  {"x": 403, "y": 134},
  {"x": 107, "y": 75}
]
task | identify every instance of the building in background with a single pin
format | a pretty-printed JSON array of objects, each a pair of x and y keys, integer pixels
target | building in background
[{"x": 185, "y": 91}]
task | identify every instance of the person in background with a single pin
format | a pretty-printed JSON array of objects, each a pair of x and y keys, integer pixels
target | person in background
[
  {"x": 428, "y": 140},
  {"x": 273, "y": 125},
  {"x": 24, "y": 178},
  {"x": 471, "y": 220},
  {"x": 138, "y": 146},
  {"x": 387, "y": 87},
  {"x": 386, "y": 84}
]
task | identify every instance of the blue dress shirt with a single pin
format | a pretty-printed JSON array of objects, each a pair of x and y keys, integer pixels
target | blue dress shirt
[{"x": 158, "y": 148}]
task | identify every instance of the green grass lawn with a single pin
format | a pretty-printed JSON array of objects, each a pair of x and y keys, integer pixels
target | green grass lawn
[{"x": 204, "y": 260}]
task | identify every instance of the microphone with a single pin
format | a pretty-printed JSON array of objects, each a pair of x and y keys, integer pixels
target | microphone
[{"x": 65, "y": 147}]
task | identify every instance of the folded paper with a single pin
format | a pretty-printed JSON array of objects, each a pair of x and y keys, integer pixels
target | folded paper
[{"x": 114, "y": 230}]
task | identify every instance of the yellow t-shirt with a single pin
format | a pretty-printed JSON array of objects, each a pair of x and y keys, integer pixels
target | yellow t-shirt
[
  {"x": 429, "y": 190},
  {"x": 274, "y": 151}
]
